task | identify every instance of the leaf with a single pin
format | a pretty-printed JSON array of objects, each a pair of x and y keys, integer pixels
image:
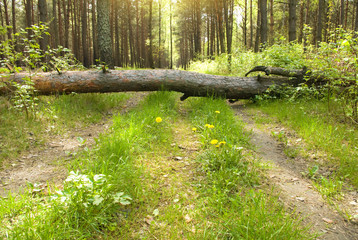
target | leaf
[
  {"x": 97, "y": 200},
  {"x": 156, "y": 212}
]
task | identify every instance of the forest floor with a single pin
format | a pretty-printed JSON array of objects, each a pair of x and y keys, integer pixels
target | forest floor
[
  {"x": 297, "y": 192},
  {"x": 284, "y": 174}
]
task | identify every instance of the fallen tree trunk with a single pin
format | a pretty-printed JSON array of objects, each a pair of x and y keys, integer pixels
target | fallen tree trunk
[{"x": 188, "y": 83}]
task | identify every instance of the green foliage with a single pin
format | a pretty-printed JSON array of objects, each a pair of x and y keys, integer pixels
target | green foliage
[
  {"x": 237, "y": 210},
  {"x": 24, "y": 50},
  {"x": 337, "y": 60},
  {"x": 87, "y": 203},
  {"x": 285, "y": 55}
]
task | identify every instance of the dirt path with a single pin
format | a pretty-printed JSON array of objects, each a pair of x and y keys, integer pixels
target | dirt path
[
  {"x": 296, "y": 192},
  {"x": 48, "y": 165}
]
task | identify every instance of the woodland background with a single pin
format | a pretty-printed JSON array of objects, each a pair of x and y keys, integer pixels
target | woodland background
[{"x": 170, "y": 33}]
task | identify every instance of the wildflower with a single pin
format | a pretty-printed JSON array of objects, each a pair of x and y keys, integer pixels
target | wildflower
[
  {"x": 214, "y": 141},
  {"x": 217, "y": 112},
  {"x": 222, "y": 143},
  {"x": 158, "y": 119},
  {"x": 211, "y": 126},
  {"x": 194, "y": 129},
  {"x": 207, "y": 125}
]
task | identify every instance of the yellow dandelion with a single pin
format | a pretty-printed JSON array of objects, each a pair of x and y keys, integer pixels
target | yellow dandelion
[
  {"x": 217, "y": 112},
  {"x": 217, "y": 145},
  {"x": 207, "y": 125},
  {"x": 214, "y": 142},
  {"x": 158, "y": 119},
  {"x": 194, "y": 129},
  {"x": 222, "y": 143},
  {"x": 211, "y": 126}
]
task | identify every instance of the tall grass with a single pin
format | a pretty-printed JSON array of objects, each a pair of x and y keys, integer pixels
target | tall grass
[
  {"x": 55, "y": 114},
  {"x": 322, "y": 132},
  {"x": 237, "y": 207},
  {"x": 95, "y": 199}
]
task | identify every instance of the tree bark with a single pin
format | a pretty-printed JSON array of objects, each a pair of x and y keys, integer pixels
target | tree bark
[
  {"x": 104, "y": 33},
  {"x": 356, "y": 19},
  {"x": 42, "y": 5},
  {"x": 7, "y": 20},
  {"x": 263, "y": 22},
  {"x": 320, "y": 21},
  {"x": 86, "y": 62},
  {"x": 292, "y": 20},
  {"x": 189, "y": 83}
]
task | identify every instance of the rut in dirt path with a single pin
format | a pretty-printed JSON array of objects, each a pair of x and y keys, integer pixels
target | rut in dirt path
[
  {"x": 296, "y": 192},
  {"x": 48, "y": 165}
]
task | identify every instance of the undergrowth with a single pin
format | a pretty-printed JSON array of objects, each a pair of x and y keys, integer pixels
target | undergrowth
[
  {"x": 110, "y": 188},
  {"x": 55, "y": 115},
  {"x": 321, "y": 132},
  {"x": 237, "y": 206}
]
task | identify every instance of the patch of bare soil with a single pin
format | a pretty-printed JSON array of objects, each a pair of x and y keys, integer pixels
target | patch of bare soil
[
  {"x": 47, "y": 165},
  {"x": 296, "y": 192}
]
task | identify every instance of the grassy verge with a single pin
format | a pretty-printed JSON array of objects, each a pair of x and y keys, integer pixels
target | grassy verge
[
  {"x": 236, "y": 206},
  {"x": 54, "y": 115},
  {"x": 322, "y": 133},
  {"x": 162, "y": 172}
]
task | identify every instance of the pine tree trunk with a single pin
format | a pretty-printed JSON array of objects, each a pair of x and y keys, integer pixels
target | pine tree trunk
[
  {"x": 7, "y": 20},
  {"x": 94, "y": 32},
  {"x": 292, "y": 20},
  {"x": 43, "y": 19},
  {"x": 104, "y": 33},
  {"x": 189, "y": 83},
  {"x": 263, "y": 27},
  {"x": 84, "y": 35}
]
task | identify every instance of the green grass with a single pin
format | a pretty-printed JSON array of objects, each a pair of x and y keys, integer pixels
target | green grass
[
  {"x": 321, "y": 132},
  {"x": 235, "y": 204},
  {"x": 54, "y": 115},
  {"x": 218, "y": 197},
  {"x": 77, "y": 211}
]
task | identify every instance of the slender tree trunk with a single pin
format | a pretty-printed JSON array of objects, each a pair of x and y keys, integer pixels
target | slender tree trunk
[
  {"x": 171, "y": 36},
  {"x": 66, "y": 16},
  {"x": 212, "y": 36},
  {"x": 131, "y": 38},
  {"x": 143, "y": 38},
  {"x": 104, "y": 33},
  {"x": 54, "y": 24},
  {"x": 84, "y": 35},
  {"x": 356, "y": 19},
  {"x": 292, "y": 20},
  {"x": 150, "y": 35},
  {"x": 160, "y": 34},
  {"x": 346, "y": 16},
  {"x": 341, "y": 17},
  {"x": 13, "y": 8},
  {"x": 197, "y": 27},
  {"x": 2, "y": 22},
  {"x": 42, "y": 6},
  {"x": 60, "y": 29},
  {"x": 263, "y": 27},
  {"x": 251, "y": 27},
  {"x": 302, "y": 8},
  {"x": 245, "y": 24},
  {"x": 7, "y": 20},
  {"x": 94, "y": 32},
  {"x": 258, "y": 26},
  {"x": 320, "y": 20},
  {"x": 28, "y": 12},
  {"x": 272, "y": 23},
  {"x": 116, "y": 58}
]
